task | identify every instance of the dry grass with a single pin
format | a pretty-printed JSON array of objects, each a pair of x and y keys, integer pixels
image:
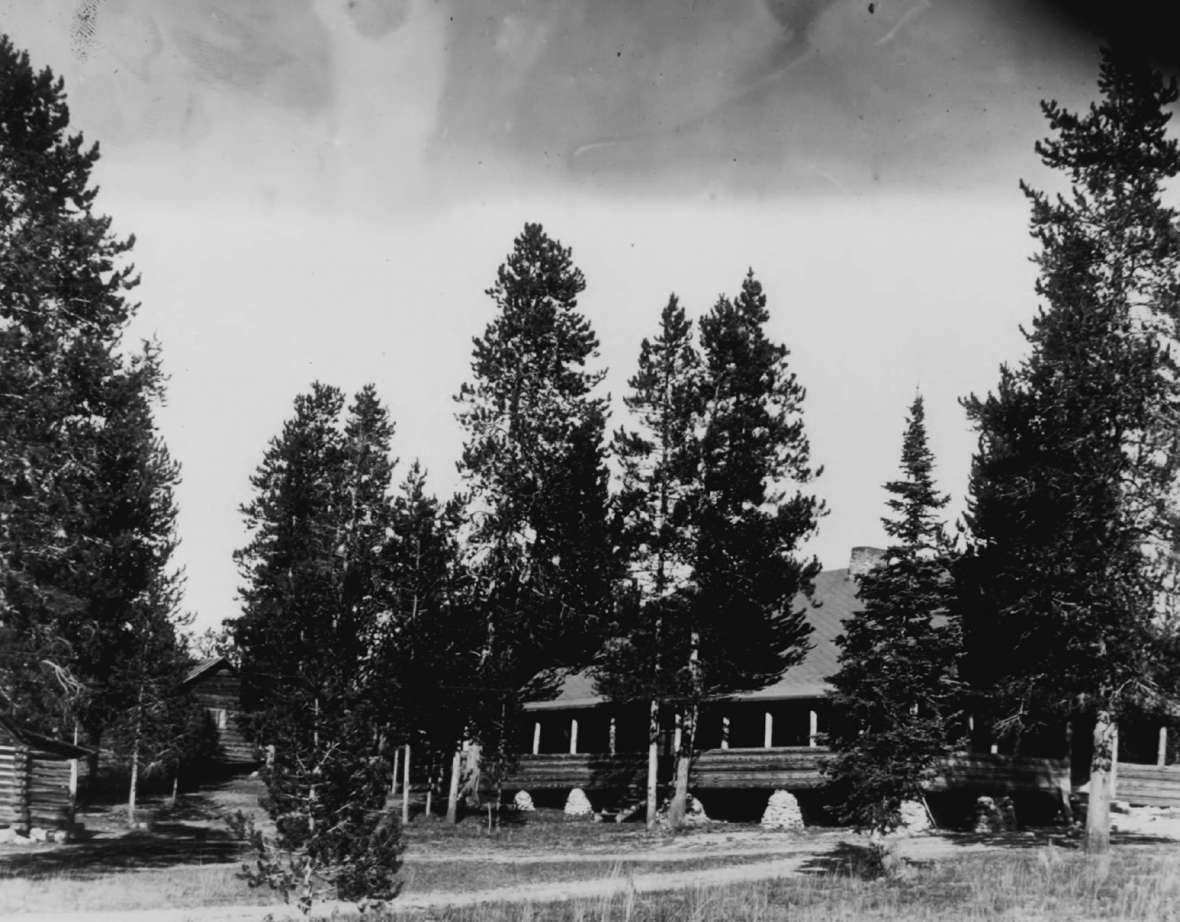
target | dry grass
[
  {"x": 214, "y": 885},
  {"x": 1036, "y": 884}
]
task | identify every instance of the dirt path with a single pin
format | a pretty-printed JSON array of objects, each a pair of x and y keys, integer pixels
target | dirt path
[{"x": 740, "y": 844}]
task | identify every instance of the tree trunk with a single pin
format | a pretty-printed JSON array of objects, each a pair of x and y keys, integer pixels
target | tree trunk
[
  {"x": 1101, "y": 775},
  {"x": 453, "y": 793},
  {"x": 134, "y": 788},
  {"x": 653, "y": 763},
  {"x": 679, "y": 806},
  {"x": 406, "y": 787}
]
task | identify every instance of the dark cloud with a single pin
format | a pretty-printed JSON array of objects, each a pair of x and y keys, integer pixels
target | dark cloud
[{"x": 755, "y": 94}]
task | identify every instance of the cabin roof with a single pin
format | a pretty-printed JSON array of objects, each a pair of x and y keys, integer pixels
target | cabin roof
[
  {"x": 39, "y": 741},
  {"x": 204, "y": 668},
  {"x": 832, "y": 603}
]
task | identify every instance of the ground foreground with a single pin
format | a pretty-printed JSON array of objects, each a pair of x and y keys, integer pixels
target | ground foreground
[{"x": 185, "y": 866}]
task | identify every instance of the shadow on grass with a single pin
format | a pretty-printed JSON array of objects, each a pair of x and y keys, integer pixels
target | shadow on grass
[
  {"x": 1058, "y": 836},
  {"x": 167, "y": 844},
  {"x": 847, "y": 859}
]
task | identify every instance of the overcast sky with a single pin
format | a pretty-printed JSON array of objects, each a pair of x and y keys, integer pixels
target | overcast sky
[{"x": 322, "y": 189}]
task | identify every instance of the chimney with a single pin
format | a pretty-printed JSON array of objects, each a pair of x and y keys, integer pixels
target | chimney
[{"x": 864, "y": 559}]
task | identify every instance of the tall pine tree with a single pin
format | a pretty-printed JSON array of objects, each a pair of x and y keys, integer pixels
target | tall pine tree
[
  {"x": 898, "y": 700},
  {"x": 643, "y": 658},
  {"x": 1072, "y": 510},
  {"x": 734, "y": 621},
  {"x": 428, "y": 641},
  {"x": 312, "y": 602},
  {"x": 86, "y": 510},
  {"x": 533, "y": 463}
]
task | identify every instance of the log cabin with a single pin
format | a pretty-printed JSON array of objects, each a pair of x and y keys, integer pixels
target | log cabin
[
  {"x": 37, "y": 778},
  {"x": 760, "y": 740},
  {"x": 216, "y": 686}
]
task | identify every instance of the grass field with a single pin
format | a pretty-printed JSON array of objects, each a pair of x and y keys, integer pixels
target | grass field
[
  {"x": 187, "y": 858},
  {"x": 1138, "y": 883}
]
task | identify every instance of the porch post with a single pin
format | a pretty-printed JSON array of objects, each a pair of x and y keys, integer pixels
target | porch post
[
  {"x": 573, "y": 735},
  {"x": 724, "y": 732},
  {"x": 613, "y": 734},
  {"x": 677, "y": 732},
  {"x": 767, "y": 730},
  {"x": 406, "y": 787},
  {"x": 812, "y": 727},
  {"x": 1161, "y": 752},
  {"x": 1114, "y": 763},
  {"x": 536, "y": 737}
]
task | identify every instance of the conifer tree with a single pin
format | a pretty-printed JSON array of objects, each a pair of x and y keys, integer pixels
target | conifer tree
[
  {"x": 1071, "y": 577},
  {"x": 741, "y": 626},
  {"x": 533, "y": 463},
  {"x": 642, "y": 659},
  {"x": 86, "y": 511},
  {"x": 312, "y": 600},
  {"x": 897, "y": 699},
  {"x": 428, "y": 642}
]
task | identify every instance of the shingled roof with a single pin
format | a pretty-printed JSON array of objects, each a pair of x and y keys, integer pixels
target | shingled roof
[{"x": 833, "y": 601}]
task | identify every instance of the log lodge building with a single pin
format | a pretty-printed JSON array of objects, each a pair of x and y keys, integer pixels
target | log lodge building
[{"x": 756, "y": 742}]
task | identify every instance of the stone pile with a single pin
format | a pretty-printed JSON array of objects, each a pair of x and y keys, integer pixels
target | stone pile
[
  {"x": 11, "y": 836},
  {"x": 694, "y": 812},
  {"x": 782, "y": 812},
  {"x": 914, "y": 817},
  {"x": 992, "y": 815},
  {"x": 523, "y": 802},
  {"x": 578, "y": 804}
]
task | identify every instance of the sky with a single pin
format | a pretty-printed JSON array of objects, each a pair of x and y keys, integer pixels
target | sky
[{"x": 322, "y": 190}]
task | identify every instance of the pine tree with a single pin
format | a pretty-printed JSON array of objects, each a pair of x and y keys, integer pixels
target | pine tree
[
  {"x": 897, "y": 700},
  {"x": 312, "y": 604},
  {"x": 741, "y": 625},
  {"x": 428, "y": 645},
  {"x": 1072, "y": 517},
  {"x": 86, "y": 510},
  {"x": 534, "y": 466},
  {"x": 656, "y": 530}
]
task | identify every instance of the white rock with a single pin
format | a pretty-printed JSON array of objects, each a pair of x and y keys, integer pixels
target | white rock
[
  {"x": 782, "y": 812},
  {"x": 914, "y": 817},
  {"x": 578, "y": 804},
  {"x": 694, "y": 814},
  {"x": 38, "y": 834},
  {"x": 523, "y": 802},
  {"x": 993, "y": 815},
  {"x": 10, "y": 836}
]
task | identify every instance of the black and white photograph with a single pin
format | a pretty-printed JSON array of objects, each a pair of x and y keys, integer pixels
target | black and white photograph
[{"x": 615, "y": 460}]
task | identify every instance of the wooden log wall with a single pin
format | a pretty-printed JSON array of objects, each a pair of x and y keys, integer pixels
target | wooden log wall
[
  {"x": 221, "y": 691},
  {"x": 1148, "y": 785},
  {"x": 13, "y": 786},
  {"x": 589, "y": 771},
  {"x": 34, "y": 788},
  {"x": 789, "y": 767},
  {"x": 49, "y": 790},
  {"x": 989, "y": 773}
]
